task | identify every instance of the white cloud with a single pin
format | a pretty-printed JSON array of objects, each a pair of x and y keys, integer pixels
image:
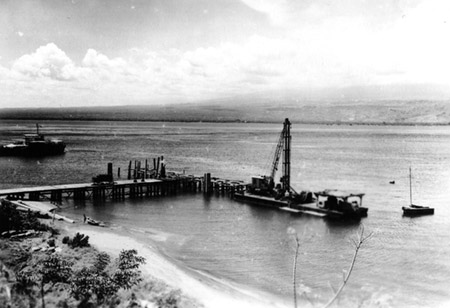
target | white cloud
[
  {"x": 99, "y": 67},
  {"x": 347, "y": 42},
  {"x": 47, "y": 62},
  {"x": 334, "y": 52},
  {"x": 93, "y": 59}
]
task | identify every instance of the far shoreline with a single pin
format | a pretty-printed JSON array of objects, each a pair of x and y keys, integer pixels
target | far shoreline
[{"x": 163, "y": 120}]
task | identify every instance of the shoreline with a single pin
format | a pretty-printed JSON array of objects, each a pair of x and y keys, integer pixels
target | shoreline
[
  {"x": 230, "y": 121},
  {"x": 206, "y": 289}
]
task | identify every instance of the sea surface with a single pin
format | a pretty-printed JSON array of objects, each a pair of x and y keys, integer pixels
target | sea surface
[{"x": 405, "y": 263}]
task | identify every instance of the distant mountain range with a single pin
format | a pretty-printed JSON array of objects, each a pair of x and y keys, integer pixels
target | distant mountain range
[{"x": 350, "y": 106}]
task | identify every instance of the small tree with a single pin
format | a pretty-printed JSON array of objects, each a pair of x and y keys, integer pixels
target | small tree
[
  {"x": 24, "y": 284},
  {"x": 87, "y": 282},
  {"x": 128, "y": 273},
  {"x": 95, "y": 281},
  {"x": 53, "y": 270}
]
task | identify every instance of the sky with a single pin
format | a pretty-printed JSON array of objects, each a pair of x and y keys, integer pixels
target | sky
[{"x": 61, "y": 53}]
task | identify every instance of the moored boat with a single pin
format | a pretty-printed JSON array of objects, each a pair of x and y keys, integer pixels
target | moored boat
[
  {"x": 413, "y": 209},
  {"x": 33, "y": 145},
  {"x": 417, "y": 210}
]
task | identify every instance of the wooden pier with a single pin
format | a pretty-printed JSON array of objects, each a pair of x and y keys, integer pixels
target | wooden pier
[{"x": 122, "y": 189}]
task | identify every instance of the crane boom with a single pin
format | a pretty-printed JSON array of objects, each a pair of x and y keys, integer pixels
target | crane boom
[
  {"x": 264, "y": 185},
  {"x": 276, "y": 158},
  {"x": 284, "y": 142}
]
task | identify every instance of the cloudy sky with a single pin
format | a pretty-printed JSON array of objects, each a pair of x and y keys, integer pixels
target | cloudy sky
[{"x": 109, "y": 52}]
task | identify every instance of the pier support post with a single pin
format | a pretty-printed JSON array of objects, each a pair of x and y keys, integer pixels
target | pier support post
[
  {"x": 207, "y": 183},
  {"x": 56, "y": 196},
  {"x": 110, "y": 171}
]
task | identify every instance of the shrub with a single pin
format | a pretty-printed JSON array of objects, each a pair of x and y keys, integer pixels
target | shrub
[
  {"x": 101, "y": 262},
  {"x": 169, "y": 300},
  {"x": 65, "y": 240},
  {"x": 51, "y": 242},
  {"x": 79, "y": 240}
]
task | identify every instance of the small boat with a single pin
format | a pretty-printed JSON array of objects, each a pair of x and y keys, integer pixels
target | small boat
[
  {"x": 93, "y": 222},
  {"x": 33, "y": 145},
  {"x": 413, "y": 209},
  {"x": 416, "y": 210}
]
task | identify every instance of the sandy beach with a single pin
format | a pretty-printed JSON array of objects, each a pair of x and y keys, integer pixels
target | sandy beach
[{"x": 208, "y": 291}]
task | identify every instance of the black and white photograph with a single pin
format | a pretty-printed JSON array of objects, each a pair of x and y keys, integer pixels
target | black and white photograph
[{"x": 224, "y": 153}]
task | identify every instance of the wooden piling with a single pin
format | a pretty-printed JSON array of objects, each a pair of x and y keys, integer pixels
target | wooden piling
[
  {"x": 207, "y": 183},
  {"x": 146, "y": 169},
  {"x": 157, "y": 168},
  {"x": 110, "y": 170}
]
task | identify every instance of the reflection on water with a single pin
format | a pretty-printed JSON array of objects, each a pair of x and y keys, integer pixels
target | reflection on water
[{"x": 405, "y": 263}]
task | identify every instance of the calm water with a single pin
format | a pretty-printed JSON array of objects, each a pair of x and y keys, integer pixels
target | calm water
[{"x": 405, "y": 264}]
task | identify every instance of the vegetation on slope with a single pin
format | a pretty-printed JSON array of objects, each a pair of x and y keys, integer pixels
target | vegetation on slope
[{"x": 40, "y": 268}]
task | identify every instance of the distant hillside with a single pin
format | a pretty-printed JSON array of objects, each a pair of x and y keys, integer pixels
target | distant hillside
[{"x": 251, "y": 109}]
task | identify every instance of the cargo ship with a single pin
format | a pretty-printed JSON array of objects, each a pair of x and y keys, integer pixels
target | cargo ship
[
  {"x": 328, "y": 203},
  {"x": 33, "y": 145}
]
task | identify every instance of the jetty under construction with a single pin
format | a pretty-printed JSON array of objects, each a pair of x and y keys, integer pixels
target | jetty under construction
[{"x": 145, "y": 182}]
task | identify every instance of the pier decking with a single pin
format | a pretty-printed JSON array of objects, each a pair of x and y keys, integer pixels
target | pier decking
[{"x": 122, "y": 189}]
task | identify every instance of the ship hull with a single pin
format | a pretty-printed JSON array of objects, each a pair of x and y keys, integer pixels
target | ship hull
[
  {"x": 34, "y": 149},
  {"x": 416, "y": 210}
]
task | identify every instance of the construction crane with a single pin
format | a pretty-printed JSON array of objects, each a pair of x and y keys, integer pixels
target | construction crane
[{"x": 265, "y": 185}]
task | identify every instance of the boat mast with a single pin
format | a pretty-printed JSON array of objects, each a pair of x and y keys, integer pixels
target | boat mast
[{"x": 410, "y": 187}]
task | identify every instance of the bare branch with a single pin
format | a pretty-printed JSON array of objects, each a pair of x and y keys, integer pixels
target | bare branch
[
  {"x": 332, "y": 288},
  {"x": 360, "y": 240},
  {"x": 294, "y": 271},
  {"x": 368, "y": 236}
]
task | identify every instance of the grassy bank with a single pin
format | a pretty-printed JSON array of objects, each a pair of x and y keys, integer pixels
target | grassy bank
[{"x": 43, "y": 264}]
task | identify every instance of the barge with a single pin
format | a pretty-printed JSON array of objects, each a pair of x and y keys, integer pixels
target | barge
[
  {"x": 329, "y": 203},
  {"x": 332, "y": 204}
]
